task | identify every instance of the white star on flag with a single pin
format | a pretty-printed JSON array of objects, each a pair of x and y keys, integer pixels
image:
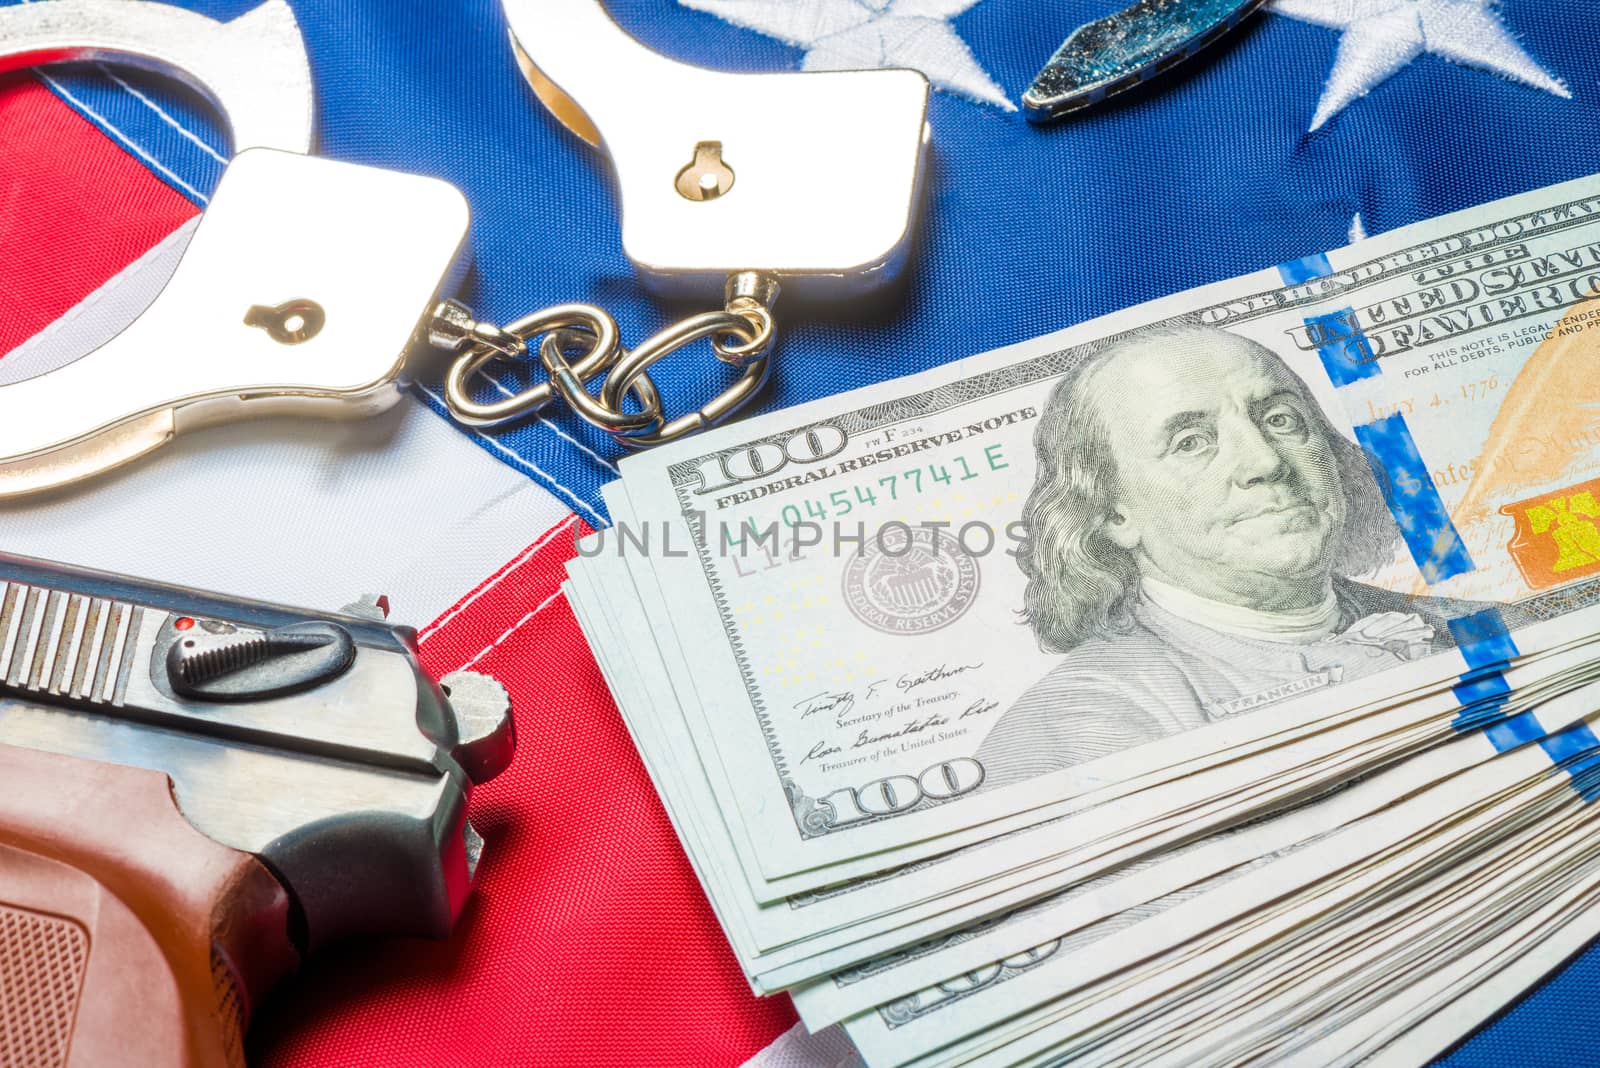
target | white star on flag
[
  {"x": 1382, "y": 36},
  {"x": 868, "y": 34}
]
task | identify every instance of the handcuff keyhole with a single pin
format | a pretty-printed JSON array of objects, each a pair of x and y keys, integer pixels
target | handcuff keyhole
[
  {"x": 288, "y": 323},
  {"x": 706, "y": 177}
]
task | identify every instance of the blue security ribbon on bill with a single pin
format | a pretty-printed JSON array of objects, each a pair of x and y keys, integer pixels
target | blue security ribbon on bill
[
  {"x": 1488, "y": 649},
  {"x": 1577, "y": 751},
  {"x": 1391, "y": 450}
]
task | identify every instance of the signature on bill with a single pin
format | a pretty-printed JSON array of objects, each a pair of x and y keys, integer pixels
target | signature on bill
[{"x": 835, "y": 703}]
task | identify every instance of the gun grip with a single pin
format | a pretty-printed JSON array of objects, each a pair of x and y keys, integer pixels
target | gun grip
[{"x": 126, "y": 936}]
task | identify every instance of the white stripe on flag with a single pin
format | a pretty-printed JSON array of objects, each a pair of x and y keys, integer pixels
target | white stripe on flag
[
  {"x": 509, "y": 631},
  {"x": 799, "y": 1048}
]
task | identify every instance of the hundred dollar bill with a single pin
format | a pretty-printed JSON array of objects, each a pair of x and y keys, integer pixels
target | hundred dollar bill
[
  {"x": 1455, "y": 1001},
  {"x": 1365, "y": 964},
  {"x": 1273, "y": 1009},
  {"x": 1395, "y": 865},
  {"x": 931, "y": 994},
  {"x": 807, "y": 935},
  {"x": 916, "y": 981},
  {"x": 1544, "y": 867},
  {"x": 984, "y": 590}
]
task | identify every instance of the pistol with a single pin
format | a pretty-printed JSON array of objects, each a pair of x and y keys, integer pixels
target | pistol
[{"x": 198, "y": 791}]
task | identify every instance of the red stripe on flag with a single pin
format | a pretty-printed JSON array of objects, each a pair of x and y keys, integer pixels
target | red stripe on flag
[
  {"x": 74, "y": 208},
  {"x": 502, "y": 603},
  {"x": 588, "y": 940}
]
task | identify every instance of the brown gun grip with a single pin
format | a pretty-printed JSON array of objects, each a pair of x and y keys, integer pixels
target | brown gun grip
[{"x": 126, "y": 936}]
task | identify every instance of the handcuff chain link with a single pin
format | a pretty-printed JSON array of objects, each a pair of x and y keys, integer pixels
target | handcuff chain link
[{"x": 580, "y": 343}]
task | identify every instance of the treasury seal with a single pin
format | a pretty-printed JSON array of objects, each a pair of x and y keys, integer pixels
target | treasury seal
[{"x": 910, "y": 581}]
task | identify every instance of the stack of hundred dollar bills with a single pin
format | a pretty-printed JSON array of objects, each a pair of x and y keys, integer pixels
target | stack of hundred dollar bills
[{"x": 1213, "y": 683}]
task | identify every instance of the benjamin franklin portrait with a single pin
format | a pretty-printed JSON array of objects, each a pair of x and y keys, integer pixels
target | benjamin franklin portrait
[{"x": 1192, "y": 542}]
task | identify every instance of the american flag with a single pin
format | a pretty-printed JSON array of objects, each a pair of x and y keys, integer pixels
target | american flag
[{"x": 588, "y": 941}]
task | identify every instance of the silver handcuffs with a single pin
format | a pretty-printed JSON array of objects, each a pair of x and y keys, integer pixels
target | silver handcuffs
[{"x": 310, "y": 283}]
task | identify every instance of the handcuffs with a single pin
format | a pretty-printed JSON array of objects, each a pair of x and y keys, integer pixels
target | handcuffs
[{"x": 300, "y": 294}]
